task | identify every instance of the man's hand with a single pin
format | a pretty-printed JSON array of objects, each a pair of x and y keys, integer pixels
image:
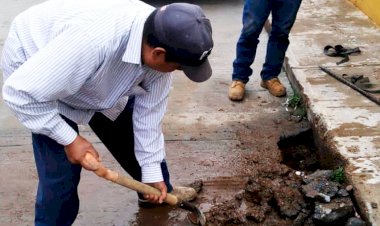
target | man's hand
[
  {"x": 77, "y": 150},
  {"x": 155, "y": 198}
]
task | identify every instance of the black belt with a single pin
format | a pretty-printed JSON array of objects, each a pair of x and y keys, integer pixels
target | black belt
[{"x": 340, "y": 51}]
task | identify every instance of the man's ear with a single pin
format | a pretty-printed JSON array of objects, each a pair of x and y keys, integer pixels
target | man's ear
[{"x": 159, "y": 54}]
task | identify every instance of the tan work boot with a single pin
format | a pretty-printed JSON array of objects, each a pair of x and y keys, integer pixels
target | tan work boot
[
  {"x": 236, "y": 91},
  {"x": 184, "y": 193},
  {"x": 274, "y": 87}
]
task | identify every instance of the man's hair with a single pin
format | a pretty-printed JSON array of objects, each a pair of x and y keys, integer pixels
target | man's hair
[{"x": 150, "y": 36}]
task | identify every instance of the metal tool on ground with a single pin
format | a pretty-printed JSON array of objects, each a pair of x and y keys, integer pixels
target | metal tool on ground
[
  {"x": 362, "y": 82},
  {"x": 100, "y": 170},
  {"x": 352, "y": 85}
]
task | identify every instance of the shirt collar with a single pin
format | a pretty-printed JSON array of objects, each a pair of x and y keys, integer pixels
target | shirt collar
[{"x": 133, "y": 51}]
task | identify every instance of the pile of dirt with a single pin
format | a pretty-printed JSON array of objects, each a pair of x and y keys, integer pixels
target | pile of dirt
[
  {"x": 290, "y": 190},
  {"x": 271, "y": 197}
]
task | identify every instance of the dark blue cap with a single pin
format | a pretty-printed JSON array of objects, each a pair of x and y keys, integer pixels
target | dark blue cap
[{"x": 184, "y": 28}]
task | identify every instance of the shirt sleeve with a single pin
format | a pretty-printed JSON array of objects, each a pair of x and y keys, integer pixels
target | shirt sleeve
[
  {"x": 148, "y": 113},
  {"x": 56, "y": 71}
]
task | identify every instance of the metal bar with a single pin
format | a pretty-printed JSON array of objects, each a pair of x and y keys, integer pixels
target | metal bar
[{"x": 364, "y": 93}]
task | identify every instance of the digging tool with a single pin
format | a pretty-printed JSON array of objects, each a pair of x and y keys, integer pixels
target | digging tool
[
  {"x": 102, "y": 171},
  {"x": 344, "y": 81}
]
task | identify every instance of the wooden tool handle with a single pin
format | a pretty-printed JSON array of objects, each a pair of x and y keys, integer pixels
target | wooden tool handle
[{"x": 130, "y": 183}]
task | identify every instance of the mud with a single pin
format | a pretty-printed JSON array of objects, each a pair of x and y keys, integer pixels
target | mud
[
  {"x": 252, "y": 182},
  {"x": 271, "y": 195},
  {"x": 291, "y": 190}
]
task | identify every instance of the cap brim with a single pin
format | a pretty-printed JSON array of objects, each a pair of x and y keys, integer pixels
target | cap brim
[{"x": 199, "y": 73}]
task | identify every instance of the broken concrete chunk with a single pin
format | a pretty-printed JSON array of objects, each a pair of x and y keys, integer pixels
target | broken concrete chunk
[{"x": 337, "y": 211}]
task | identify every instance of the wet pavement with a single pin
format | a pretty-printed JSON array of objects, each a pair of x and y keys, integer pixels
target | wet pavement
[
  {"x": 206, "y": 134},
  {"x": 202, "y": 131}
]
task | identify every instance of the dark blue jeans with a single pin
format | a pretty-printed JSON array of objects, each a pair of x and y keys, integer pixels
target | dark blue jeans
[
  {"x": 255, "y": 13},
  {"x": 57, "y": 201}
]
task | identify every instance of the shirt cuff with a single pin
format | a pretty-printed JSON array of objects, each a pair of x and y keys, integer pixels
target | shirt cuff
[
  {"x": 151, "y": 173},
  {"x": 63, "y": 133}
]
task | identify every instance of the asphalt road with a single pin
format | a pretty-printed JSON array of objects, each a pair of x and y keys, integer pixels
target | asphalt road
[{"x": 201, "y": 129}]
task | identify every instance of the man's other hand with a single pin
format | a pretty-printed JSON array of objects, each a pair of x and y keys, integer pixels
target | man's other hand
[
  {"x": 76, "y": 152},
  {"x": 155, "y": 198}
]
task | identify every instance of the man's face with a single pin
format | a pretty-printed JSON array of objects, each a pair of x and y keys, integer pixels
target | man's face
[
  {"x": 163, "y": 66},
  {"x": 155, "y": 59}
]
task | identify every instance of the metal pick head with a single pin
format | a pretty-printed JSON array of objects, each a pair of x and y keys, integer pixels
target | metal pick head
[{"x": 196, "y": 217}]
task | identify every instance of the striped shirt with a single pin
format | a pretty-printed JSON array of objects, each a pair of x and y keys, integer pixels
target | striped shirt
[{"x": 78, "y": 57}]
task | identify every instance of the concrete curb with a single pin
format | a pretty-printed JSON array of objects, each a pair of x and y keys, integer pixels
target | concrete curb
[{"x": 346, "y": 124}]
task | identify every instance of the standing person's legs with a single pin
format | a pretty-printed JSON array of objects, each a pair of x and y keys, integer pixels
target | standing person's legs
[
  {"x": 57, "y": 201},
  {"x": 255, "y": 13},
  {"x": 284, "y": 13},
  {"x": 118, "y": 137}
]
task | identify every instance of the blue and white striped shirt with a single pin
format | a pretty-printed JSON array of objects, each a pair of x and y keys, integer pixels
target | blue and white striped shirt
[{"x": 78, "y": 57}]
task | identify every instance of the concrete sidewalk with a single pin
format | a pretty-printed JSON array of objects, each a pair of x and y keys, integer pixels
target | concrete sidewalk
[{"x": 346, "y": 124}]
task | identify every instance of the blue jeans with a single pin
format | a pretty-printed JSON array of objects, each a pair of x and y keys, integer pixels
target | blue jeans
[
  {"x": 57, "y": 201},
  {"x": 255, "y": 13}
]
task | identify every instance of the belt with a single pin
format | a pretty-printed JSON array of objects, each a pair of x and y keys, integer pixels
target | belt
[{"x": 340, "y": 51}]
